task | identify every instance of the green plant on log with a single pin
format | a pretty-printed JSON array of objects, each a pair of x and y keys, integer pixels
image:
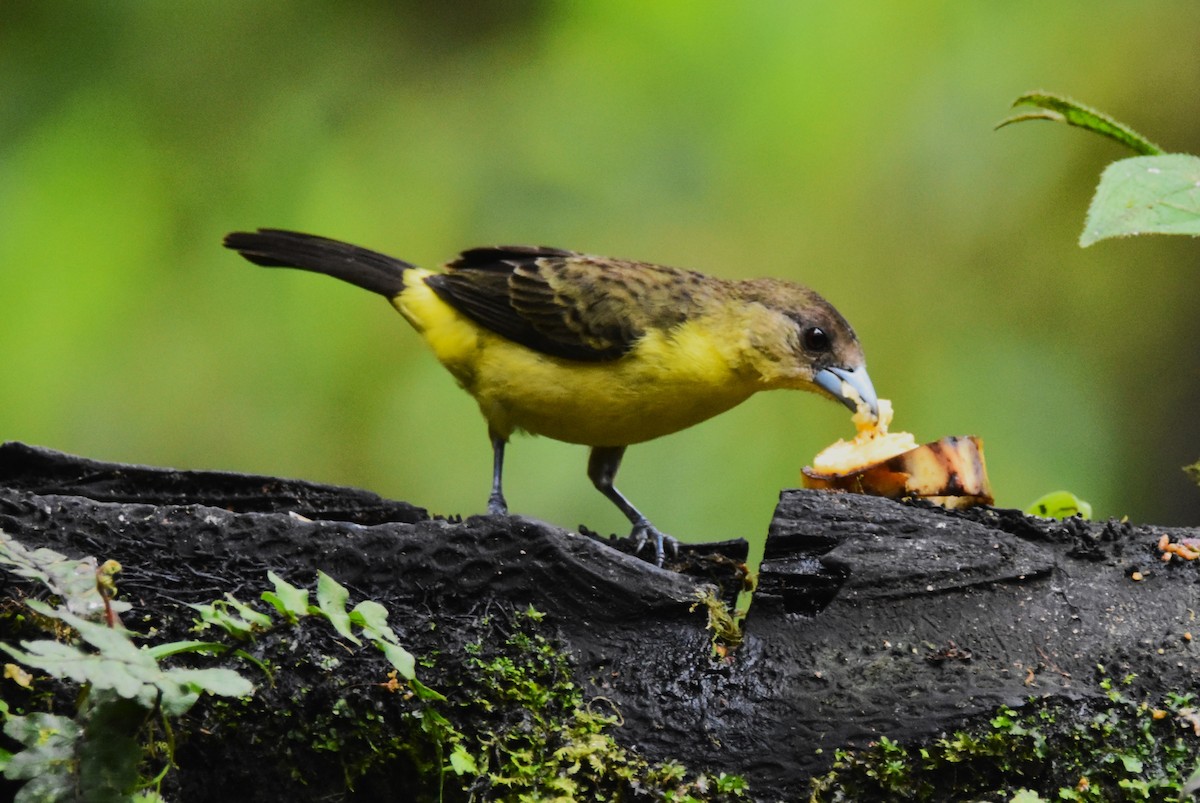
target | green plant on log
[
  {"x": 126, "y": 701},
  {"x": 291, "y": 603},
  {"x": 119, "y": 744},
  {"x": 1153, "y": 193}
]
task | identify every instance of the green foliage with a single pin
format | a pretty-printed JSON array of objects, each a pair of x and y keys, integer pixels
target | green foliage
[
  {"x": 79, "y": 584},
  {"x": 291, "y": 602},
  {"x": 516, "y": 725},
  {"x": 128, "y": 698},
  {"x": 48, "y": 761},
  {"x": 1155, "y": 193},
  {"x": 1116, "y": 750},
  {"x": 1060, "y": 505},
  {"x": 123, "y": 687},
  {"x": 115, "y": 664}
]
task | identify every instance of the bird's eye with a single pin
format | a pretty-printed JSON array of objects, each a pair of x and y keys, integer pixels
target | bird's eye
[{"x": 816, "y": 339}]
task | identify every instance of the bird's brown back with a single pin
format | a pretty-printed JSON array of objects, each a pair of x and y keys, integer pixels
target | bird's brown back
[{"x": 571, "y": 305}]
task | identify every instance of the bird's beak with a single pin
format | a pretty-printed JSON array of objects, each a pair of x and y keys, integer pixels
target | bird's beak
[{"x": 830, "y": 380}]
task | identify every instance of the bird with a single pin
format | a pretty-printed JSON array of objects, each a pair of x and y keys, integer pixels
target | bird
[{"x": 593, "y": 350}]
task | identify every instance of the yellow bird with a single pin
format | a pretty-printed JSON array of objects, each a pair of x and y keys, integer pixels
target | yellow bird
[{"x": 596, "y": 351}]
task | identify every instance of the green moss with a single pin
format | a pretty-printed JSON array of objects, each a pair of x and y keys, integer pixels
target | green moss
[
  {"x": 724, "y": 625},
  {"x": 531, "y": 735},
  {"x": 1117, "y": 749}
]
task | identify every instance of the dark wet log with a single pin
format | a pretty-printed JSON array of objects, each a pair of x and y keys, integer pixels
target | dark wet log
[{"x": 872, "y": 618}]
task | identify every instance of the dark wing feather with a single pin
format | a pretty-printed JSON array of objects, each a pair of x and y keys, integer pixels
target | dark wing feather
[{"x": 563, "y": 303}]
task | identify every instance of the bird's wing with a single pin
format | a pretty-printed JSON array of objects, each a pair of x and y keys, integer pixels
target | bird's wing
[{"x": 563, "y": 303}]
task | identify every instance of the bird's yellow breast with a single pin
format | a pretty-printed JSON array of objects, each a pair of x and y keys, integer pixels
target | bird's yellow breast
[{"x": 667, "y": 382}]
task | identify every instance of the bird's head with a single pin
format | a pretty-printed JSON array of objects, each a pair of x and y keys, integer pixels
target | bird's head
[{"x": 799, "y": 340}]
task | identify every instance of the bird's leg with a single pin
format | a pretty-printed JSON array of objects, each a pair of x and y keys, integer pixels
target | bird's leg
[
  {"x": 603, "y": 463},
  {"x": 496, "y": 504}
]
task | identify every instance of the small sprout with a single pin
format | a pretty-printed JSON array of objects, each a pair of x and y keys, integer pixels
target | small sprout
[{"x": 1060, "y": 505}]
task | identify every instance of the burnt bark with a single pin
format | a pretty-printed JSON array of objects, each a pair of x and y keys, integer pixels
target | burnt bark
[{"x": 872, "y": 618}]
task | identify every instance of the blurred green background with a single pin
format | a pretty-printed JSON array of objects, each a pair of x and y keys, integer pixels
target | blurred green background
[{"x": 848, "y": 146}]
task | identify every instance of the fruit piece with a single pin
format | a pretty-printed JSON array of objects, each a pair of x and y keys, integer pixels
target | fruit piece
[
  {"x": 872, "y": 444},
  {"x": 950, "y": 472}
]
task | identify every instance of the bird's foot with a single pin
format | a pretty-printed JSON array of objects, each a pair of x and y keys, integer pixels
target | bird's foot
[
  {"x": 645, "y": 531},
  {"x": 497, "y": 506}
]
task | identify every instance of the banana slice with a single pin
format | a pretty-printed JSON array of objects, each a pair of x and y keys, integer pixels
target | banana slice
[{"x": 950, "y": 472}]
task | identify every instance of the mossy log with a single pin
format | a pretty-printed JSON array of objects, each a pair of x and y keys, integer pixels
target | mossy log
[{"x": 872, "y": 618}]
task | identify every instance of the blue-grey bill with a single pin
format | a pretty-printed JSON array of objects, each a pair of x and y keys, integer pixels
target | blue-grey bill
[{"x": 831, "y": 379}]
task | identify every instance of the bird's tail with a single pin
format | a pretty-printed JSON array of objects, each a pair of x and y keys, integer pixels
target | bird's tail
[{"x": 276, "y": 248}]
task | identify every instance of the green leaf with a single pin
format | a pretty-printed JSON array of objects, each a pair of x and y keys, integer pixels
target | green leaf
[
  {"x": 1132, "y": 764},
  {"x": 256, "y": 619},
  {"x": 1026, "y": 796},
  {"x": 400, "y": 658},
  {"x": 234, "y": 617},
  {"x": 291, "y": 602},
  {"x": 1146, "y": 195},
  {"x": 424, "y": 692},
  {"x": 372, "y": 618},
  {"x": 332, "y": 597},
  {"x": 119, "y": 665},
  {"x": 462, "y": 762},
  {"x": 71, "y": 579},
  {"x": 1060, "y": 108},
  {"x": 176, "y": 699},
  {"x": 49, "y": 753},
  {"x": 108, "y": 749},
  {"x": 218, "y": 681},
  {"x": 216, "y": 614},
  {"x": 122, "y": 668},
  {"x": 1060, "y": 505},
  {"x": 160, "y": 651},
  {"x": 129, "y": 676},
  {"x": 370, "y": 615}
]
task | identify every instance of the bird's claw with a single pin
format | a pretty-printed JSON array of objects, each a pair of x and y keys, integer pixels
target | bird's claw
[
  {"x": 497, "y": 506},
  {"x": 645, "y": 532}
]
